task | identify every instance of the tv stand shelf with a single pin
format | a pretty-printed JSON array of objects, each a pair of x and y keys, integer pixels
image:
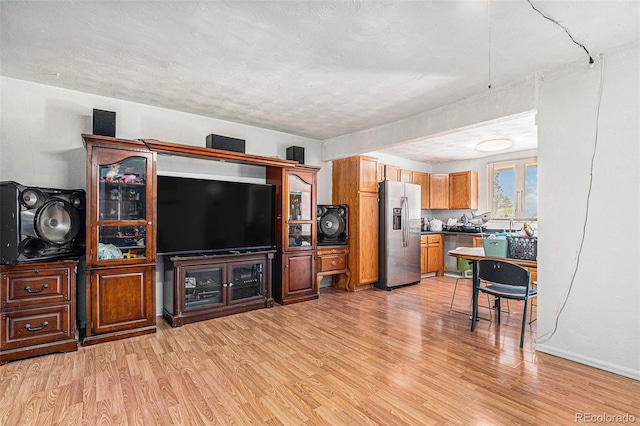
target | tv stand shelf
[{"x": 203, "y": 287}]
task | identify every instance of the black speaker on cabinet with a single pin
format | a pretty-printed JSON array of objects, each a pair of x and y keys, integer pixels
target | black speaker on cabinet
[
  {"x": 104, "y": 123},
  {"x": 332, "y": 225},
  {"x": 38, "y": 224},
  {"x": 296, "y": 153},
  {"x": 226, "y": 143}
]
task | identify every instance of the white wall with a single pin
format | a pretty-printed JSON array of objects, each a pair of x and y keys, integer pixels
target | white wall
[
  {"x": 40, "y": 128},
  {"x": 599, "y": 324}
]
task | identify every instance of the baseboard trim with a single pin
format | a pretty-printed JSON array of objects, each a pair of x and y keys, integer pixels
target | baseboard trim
[{"x": 592, "y": 362}]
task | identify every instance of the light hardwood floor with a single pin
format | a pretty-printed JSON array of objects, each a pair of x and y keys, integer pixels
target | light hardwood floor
[{"x": 371, "y": 357}]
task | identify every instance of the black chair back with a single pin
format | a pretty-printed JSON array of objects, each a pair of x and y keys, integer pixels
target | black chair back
[{"x": 500, "y": 272}]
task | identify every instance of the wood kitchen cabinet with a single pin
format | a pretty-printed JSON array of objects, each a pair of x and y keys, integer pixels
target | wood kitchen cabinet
[
  {"x": 355, "y": 184},
  {"x": 38, "y": 309},
  {"x": 432, "y": 254},
  {"x": 121, "y": 253},
  {"x": 463, "y": 190},
  {"x": 392, "y": 173},
  {"x": 423, "y": 254},
  {"x": 295, "y": 260},
  {"x": 438, "y": 191},
  {"x": 406, "y": 176},
  {"x": 422, "y": 179},
  {"x": 435, "y": 254}
]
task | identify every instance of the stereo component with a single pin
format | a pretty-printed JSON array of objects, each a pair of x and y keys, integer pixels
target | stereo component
[
  {"x": 296, "y": 153},
  {"x": 225, "y": 143},
  {"x": 39, "y": 224},
  {"x": 104, "y": 123},
  {"x": 332, "y": 224}
]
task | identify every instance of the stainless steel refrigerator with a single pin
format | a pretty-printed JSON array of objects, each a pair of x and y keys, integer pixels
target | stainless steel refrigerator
[{"x": 399, "y": 234}]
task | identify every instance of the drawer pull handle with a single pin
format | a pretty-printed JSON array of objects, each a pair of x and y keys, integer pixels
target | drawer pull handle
[
  {"x": 28, "y": 326},
  {"x": 333, "y": 250},
  {"x": 334, "y": 263},
  {"x": 44, "y": 287}
]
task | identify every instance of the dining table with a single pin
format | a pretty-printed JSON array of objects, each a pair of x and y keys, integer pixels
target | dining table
[{"x": 474, "y": 254}]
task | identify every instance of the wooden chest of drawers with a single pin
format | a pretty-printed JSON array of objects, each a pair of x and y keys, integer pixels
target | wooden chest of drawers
[
  {"x": 334, "y": 260},
  {"x": 37, "y": 311}
]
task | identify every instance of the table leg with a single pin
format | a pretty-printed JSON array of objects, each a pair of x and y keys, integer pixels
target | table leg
[{"x": 474, "y": 300}]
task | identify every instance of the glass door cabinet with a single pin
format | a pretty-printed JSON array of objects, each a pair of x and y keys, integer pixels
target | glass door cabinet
[
  {"x": 120, "y": 282},
  {"x": 299, "y": 211},
  {"x": 123, "y": 215},
  {"x": 204, "y": 287},
  {"x": 296, "y": 257}
]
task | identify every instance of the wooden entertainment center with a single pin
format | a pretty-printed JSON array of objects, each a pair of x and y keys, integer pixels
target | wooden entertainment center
[{"x": 121, "y": 212}]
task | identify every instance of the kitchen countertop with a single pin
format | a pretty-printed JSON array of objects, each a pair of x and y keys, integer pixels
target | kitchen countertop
[{"x": 472, "y": 234}]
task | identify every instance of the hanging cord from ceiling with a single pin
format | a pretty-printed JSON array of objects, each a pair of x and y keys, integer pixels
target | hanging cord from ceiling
[
  {"x": 545, "y": 337},
  {"x": 591, "y": 61},
  {"x": 489, "y": 31}
]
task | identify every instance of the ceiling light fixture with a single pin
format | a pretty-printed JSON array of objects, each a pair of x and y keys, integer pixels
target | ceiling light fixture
[{"x": 493, "y": 145}]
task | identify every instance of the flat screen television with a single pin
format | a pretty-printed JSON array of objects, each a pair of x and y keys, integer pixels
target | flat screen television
[{"x": 210, "y": 216}]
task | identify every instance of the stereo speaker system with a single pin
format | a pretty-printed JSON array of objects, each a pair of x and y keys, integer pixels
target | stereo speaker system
[
  {"x": 296, "y": 153},
  {"x": 226, "y": 143},
  {"x": 104, "y": 123},
  {"x": 39, "y": 224},
  {"x": 332, "y": 225}
]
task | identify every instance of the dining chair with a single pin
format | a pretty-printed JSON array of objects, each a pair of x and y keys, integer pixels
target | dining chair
[{"x": 504, "y": 280}]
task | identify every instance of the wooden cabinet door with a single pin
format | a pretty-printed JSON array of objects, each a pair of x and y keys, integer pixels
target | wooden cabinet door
[
  {"x": 368, "y": 176},
  {"x": 392, "y": 172},
  {"x": 463, "y": 190},
  {"x": 381, "y": 176},
  {"x": 120, "y": 205},
  {"x": 122, "y": 298},
  {"x": 406, "y": 176},
  {"x": 435, "y": 254},
  {"x": 438, "y": 191},
  {"x": 423, "y": 255},
  {"x": 299, "y": 211},
  {"x": 367, "y": 252},
  {"x": 299, "y": 275},
  {"x": 422, "y": 179}
]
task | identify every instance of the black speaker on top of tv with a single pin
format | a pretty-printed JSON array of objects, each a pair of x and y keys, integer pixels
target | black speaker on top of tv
[
  {"x": 225, "y": 143},
  {"x": 296, "y": 153},
  {"x": 104, "y": 123},
  {"x": 332, "y": 225},
  {"x": 38, "y": 224}
]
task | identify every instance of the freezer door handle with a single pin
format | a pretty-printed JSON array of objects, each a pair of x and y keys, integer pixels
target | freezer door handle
[{"x": 405, "y": 218}]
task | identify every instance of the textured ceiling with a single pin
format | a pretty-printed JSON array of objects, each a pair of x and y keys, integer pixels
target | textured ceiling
[{"x": 319, "y": 69}]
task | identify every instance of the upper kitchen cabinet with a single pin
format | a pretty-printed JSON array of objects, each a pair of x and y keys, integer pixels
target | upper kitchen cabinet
[
  {"x": 354, "y": 185},
  {"x": 392, "y": 173},
  {"x": 422, "y": 179},
  {"x": 381, "y": 176},
  {"x": 406, "y": 176},
  {"x": 463, "y": 190},
  {"x": 438, "y": 191}
]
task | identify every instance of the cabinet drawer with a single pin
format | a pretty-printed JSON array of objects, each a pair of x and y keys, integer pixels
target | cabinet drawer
[
  {"x": 434, "y": 238},
  {"x": 333, "y": 250},
  {"x": 35, "y": 287},
  {"x": 332, "y": 263},
  {"x": 27, "y": 327}
]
